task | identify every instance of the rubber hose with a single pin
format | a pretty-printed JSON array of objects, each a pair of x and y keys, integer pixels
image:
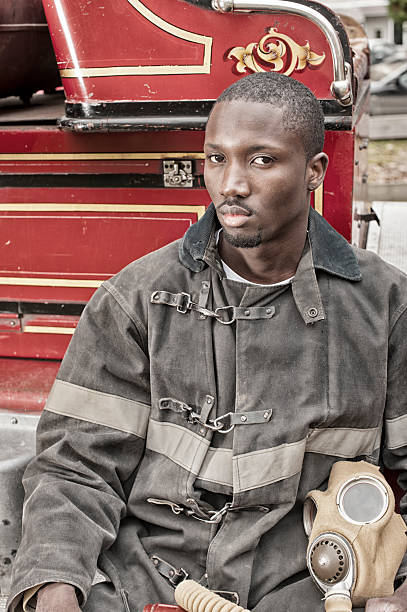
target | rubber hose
[
  {"x": 195, "y": 598},
  {"x": 338, "y": 603}
]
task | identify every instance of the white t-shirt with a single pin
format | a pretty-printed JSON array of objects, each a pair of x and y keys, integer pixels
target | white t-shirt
[{"x": 232, "y": 275}]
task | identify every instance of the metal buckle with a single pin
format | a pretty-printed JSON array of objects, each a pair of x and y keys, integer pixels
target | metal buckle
[
  {"x": 179, "y": 576},
  {"x": 218, "y": 423},
  {"x": 219, "y": 514},
  {"x": 194, "y": 418},
  {"x": 175, "y": 508},
  {"x": 215, "y": 515},
  {"x": 168, "y": 571},
  {"x": 229, "y": 595},
  {"x": 183, "y": 308},
  {"x": 218, "y": 318}
]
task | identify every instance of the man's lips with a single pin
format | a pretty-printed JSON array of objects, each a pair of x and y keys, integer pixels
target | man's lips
[
  {"x": 233, "y": 215},
  {"x": 233, "y": 209}
]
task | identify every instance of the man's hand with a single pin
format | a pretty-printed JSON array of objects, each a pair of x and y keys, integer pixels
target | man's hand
[
  {"x": 57, "y": 597},
  {"x": 395, "y": 603}
]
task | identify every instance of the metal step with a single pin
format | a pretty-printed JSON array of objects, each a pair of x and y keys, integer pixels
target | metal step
[{"x": 3, "y": 601}]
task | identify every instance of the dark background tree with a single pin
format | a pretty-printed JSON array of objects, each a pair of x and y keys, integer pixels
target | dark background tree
[{"x": 398, "y": 12}]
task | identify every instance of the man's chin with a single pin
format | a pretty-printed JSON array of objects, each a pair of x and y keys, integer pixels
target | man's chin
[{"x": 243, "y": 241}]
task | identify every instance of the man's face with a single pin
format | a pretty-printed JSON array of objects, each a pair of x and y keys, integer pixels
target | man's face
[{"x": 256, "y": 173}]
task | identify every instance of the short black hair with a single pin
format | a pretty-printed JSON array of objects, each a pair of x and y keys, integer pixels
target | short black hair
[{"x": 301, "y": 109}]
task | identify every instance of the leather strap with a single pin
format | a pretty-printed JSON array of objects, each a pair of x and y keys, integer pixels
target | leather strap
[{"x": 224, "y": 314}]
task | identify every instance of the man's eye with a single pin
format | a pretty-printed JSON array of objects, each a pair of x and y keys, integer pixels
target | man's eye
[
  {"x": 263, "y": 160},
  {"x": 216, "y": 158}
]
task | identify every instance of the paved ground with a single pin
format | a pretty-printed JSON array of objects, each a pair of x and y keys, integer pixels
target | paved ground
[
  {"x": 390, "y": 240},
  {"x": 388, "y": 163}
]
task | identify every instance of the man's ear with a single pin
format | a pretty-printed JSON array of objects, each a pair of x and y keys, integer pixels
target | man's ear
[{"x": 316, "y": 169}]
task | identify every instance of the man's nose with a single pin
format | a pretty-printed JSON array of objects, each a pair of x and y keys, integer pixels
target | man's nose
[{"x": 235, "y": 182}]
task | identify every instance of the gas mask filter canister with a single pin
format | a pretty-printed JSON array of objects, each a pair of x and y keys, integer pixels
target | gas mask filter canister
[{"x": 356, "y": 540}]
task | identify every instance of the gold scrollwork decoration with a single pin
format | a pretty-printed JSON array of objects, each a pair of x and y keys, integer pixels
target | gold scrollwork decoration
[{"x": 271, "y": 52}]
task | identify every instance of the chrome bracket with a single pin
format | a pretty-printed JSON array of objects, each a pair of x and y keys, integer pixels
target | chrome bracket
[{"x": 178, "y": 173}]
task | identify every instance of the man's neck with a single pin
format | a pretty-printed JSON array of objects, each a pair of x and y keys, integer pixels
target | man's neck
[{"x": 270, "y": 262}]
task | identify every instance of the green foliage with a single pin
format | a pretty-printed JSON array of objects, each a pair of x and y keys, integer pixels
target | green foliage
[{"x": 398, "y": 10}]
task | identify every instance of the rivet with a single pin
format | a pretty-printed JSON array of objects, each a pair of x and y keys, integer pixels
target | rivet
[
  {"x": 243, "y": 418},
  {"x": 202, "y": 431},
  {"x": 268, "y": 310},
  {"x": 266, "y": 415},
  {"x": 205, "y": 574},
  {"x": 171, "y": 572},
  {"x": 247, "y": 313},
  {"x": 164, "y": 404},
  {"x": 155, "y": 296},
  {"x": 14, "y": 421},
  {"x": 12, "y": 323},
  {"x": 205, "y": 285},
  {"x": 209, "y": 400},
  {"x": 155, "y": 561},
  {"x": 201, "y": 316},
  {"x": 312, "y": 312}
]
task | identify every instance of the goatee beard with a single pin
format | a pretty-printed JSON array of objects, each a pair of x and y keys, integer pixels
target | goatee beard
[{"x": 243, "y": 242}]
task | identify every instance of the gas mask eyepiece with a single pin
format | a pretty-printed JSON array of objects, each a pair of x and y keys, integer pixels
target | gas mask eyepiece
[{"x": 356, "y": 541}]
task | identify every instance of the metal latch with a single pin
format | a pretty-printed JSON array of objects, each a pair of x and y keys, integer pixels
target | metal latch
[{"x": 178, "y": 173}]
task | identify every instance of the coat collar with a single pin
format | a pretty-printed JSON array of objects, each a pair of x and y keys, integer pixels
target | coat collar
[{"x": 330, "y": 251}]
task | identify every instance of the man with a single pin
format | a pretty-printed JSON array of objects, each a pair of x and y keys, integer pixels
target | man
[{"x": 213, "y": 383}]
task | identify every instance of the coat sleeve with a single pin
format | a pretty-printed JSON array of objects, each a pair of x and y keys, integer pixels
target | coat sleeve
[
  {"x": 90, "y": 440},
  {"x": 395, "y": 447}
]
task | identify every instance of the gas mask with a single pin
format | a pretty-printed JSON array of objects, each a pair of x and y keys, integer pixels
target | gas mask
[{"x": 356, "y": 540}]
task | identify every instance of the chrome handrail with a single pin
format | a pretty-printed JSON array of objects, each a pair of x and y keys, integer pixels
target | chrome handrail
[{"x": 341, "y": 87}]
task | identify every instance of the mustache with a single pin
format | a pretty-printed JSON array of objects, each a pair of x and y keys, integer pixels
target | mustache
[{"x": 229, "y": 202}]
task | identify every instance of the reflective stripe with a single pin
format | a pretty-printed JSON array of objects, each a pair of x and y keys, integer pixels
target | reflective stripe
[
  {"x": 179, "y": 444},
  {"x": 344, "y": 442},
  {"x": 263, "y": 467},
  {"x": 258, "y": 468},
  {"x": 100, "y": 408},
  {"x": 396, "y": 432},
  {"x": 217, "y": 466}
]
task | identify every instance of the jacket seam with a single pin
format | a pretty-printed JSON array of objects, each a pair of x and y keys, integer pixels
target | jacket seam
[
  {"x": 323, "y": 421},
  {"x": 396, "y": 316},
  {"x": 315, "y": 280},
  {"x": 119, "y": 299},
  {"x": 51, "y": 480}
]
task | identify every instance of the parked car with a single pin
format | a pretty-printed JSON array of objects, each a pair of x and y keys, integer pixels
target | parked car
[
  {"x": 395, "y": 81},
  {"x": 380, "y": 50}
]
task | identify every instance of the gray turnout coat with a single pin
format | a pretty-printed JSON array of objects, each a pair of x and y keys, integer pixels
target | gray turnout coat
[{"x": 174, "y": 444}]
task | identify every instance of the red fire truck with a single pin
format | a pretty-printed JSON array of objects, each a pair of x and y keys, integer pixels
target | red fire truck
[{"x": 121, "y": 172}]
